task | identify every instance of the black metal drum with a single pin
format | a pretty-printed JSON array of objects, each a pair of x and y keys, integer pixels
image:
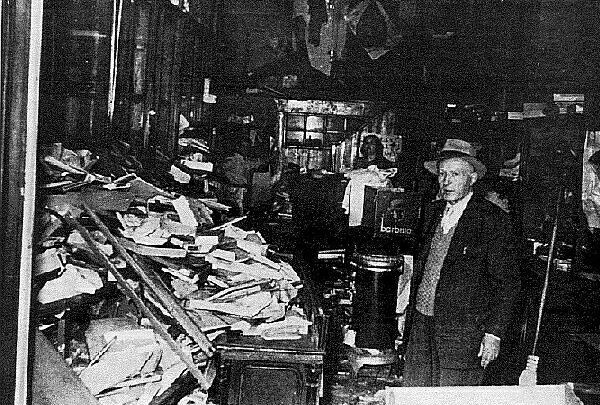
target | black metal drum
[{"x": 374, "y": 304}]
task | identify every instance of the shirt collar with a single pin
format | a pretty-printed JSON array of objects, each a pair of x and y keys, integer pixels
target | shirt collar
[
  {"x": 461, "y": 204},
  {"x": 453, "y": 212}
]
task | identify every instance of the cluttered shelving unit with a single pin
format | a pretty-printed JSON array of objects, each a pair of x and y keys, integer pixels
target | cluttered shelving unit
[{"x": 320, "y": 134}]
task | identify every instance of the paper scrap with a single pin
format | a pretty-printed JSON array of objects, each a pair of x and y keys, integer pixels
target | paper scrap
[
  {"x": 170, "y": 375},
  {"x": 74, "y": 281},
  {"x": 47, "y": 261},
  {"x": 245, "y": 307},
  {"x": 179, "y": 175},
  {"x": 126, "y": 336},
  {"x": 149, "y": 240},
  {"x": 206, "y": 241},
  {"x": 235, "y": 232},
  {"x": 151, "y": 251},
  {"x": 150, "y": 392},
  {"x": 217, "y": 282},
  {"x": 223, "y": 254},
  {"x": 205, "y": 166},
  {"x": 252, "y": 247},
  {"x": 113, "y": 368},
  {"x": 186, "y": 215}
]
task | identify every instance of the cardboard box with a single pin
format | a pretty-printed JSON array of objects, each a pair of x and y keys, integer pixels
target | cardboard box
[{"x": 391, "y": 211}]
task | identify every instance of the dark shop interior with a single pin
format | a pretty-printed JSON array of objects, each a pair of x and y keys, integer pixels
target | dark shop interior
[{"x": 300, "y": 202}]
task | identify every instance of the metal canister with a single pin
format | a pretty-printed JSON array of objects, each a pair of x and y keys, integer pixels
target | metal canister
[{"x": 374, "y": 304}]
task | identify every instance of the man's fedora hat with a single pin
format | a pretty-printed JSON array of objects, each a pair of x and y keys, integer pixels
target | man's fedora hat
[{"x": 457, "y": 148}]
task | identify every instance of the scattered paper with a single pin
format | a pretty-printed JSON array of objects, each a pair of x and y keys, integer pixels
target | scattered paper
[
  {"x": 149, "y": 240},
  {"x": 113, "y": 368},
  {"x": 217, "y": 282},
  {"x": 205, "y": 166},
  {"x": 252, "y": 247},
  {"x": 179, "y": 175},
  {"x": 223, "y": 254},
  {"x": 235, "y": 232},
  {"x": 74, "y": 281},
  {"x": 150, "y": 392},
  {"x": 246, "y": 307},
  {"x": 205, "y": 243},
  {"x": 186, "y": 216},
  {"x": 47, "y": 261},
  {"x": 170, "y": 375}
]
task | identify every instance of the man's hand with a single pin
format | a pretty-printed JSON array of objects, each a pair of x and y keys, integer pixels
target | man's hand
[{"x": 489, "y": 349}]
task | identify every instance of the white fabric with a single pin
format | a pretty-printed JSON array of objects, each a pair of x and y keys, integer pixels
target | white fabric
[
  {"x": 590, "y": 185},
  {"x": 453, "y": 212},
  {"x": 355, "y": 190}
]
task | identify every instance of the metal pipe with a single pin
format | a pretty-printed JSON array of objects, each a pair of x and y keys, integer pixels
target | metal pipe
[{"x": 548, "y": 267}]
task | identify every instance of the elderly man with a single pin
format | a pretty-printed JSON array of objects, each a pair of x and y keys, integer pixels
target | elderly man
[{"x": 466, "y": 278}]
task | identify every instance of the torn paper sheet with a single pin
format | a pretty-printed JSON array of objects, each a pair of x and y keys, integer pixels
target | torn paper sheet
[
  {"x": 246, "y": 307},
  {"x": 285, "y": 291},
  {"x": 150, "y": 392},
  {"x": 109, "y": 200},
  {"x": 216, "y": 281},
  {"x": 47, "y": 261},
  {"x": 151, "y": 251},
  {"x": 274, "y": 311},
  {"x": 288, "y": 272},
  {"x": 206, "y": 243},
  {"x": 149, "y": 240},
  {"x": 198, "y": 397},
  {"x": 179, "y": 175},
  {"x": 177, "y": 228},
  {"x": 182, "y": 288},
  {"x": 186, "y": 216},
  {"x": 257, "y": 270},
  {"x": 240, "y": 278},
  {"x": 145, "y": 190},
  {"x": 237, "y": 291},
  {"x": 113, "y": 368},
  {"x": 192, "y": 164},
  {"x": 221, "y": 254},
  {"x": 291, "y": 328},
  {"x": 266, "y": 261},
  {"x": 235, "y": 232},
  {"x": 170, "y": 375},
  {"x": 75, "y": 239},
  {"x": 252, "y": 247},
  {"x": 148, "y": 226},
  {"x": 235, "y": 295},
  {"x": 214, "y": 205},
  {"x": 74, "y": 281},
  {"x": 211, "y": 322},
  {"x": 182, "y": 274}
]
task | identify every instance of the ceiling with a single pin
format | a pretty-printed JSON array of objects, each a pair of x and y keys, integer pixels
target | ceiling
[{"x": 491, "y": 50}]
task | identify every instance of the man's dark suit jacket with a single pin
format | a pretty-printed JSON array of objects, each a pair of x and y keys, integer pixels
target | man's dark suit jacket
[{"x": 479, "y": 280}]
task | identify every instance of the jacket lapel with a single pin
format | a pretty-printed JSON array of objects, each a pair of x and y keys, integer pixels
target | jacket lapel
[{"x": 464, "y": 232}]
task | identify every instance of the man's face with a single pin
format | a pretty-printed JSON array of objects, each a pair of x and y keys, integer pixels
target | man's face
[
  {"x": 370, "y": 147},
  {"x": 456, "y": 178}
]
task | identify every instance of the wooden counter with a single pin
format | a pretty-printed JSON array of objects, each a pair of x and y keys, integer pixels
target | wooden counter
[{"x": 283, "y": 372}]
